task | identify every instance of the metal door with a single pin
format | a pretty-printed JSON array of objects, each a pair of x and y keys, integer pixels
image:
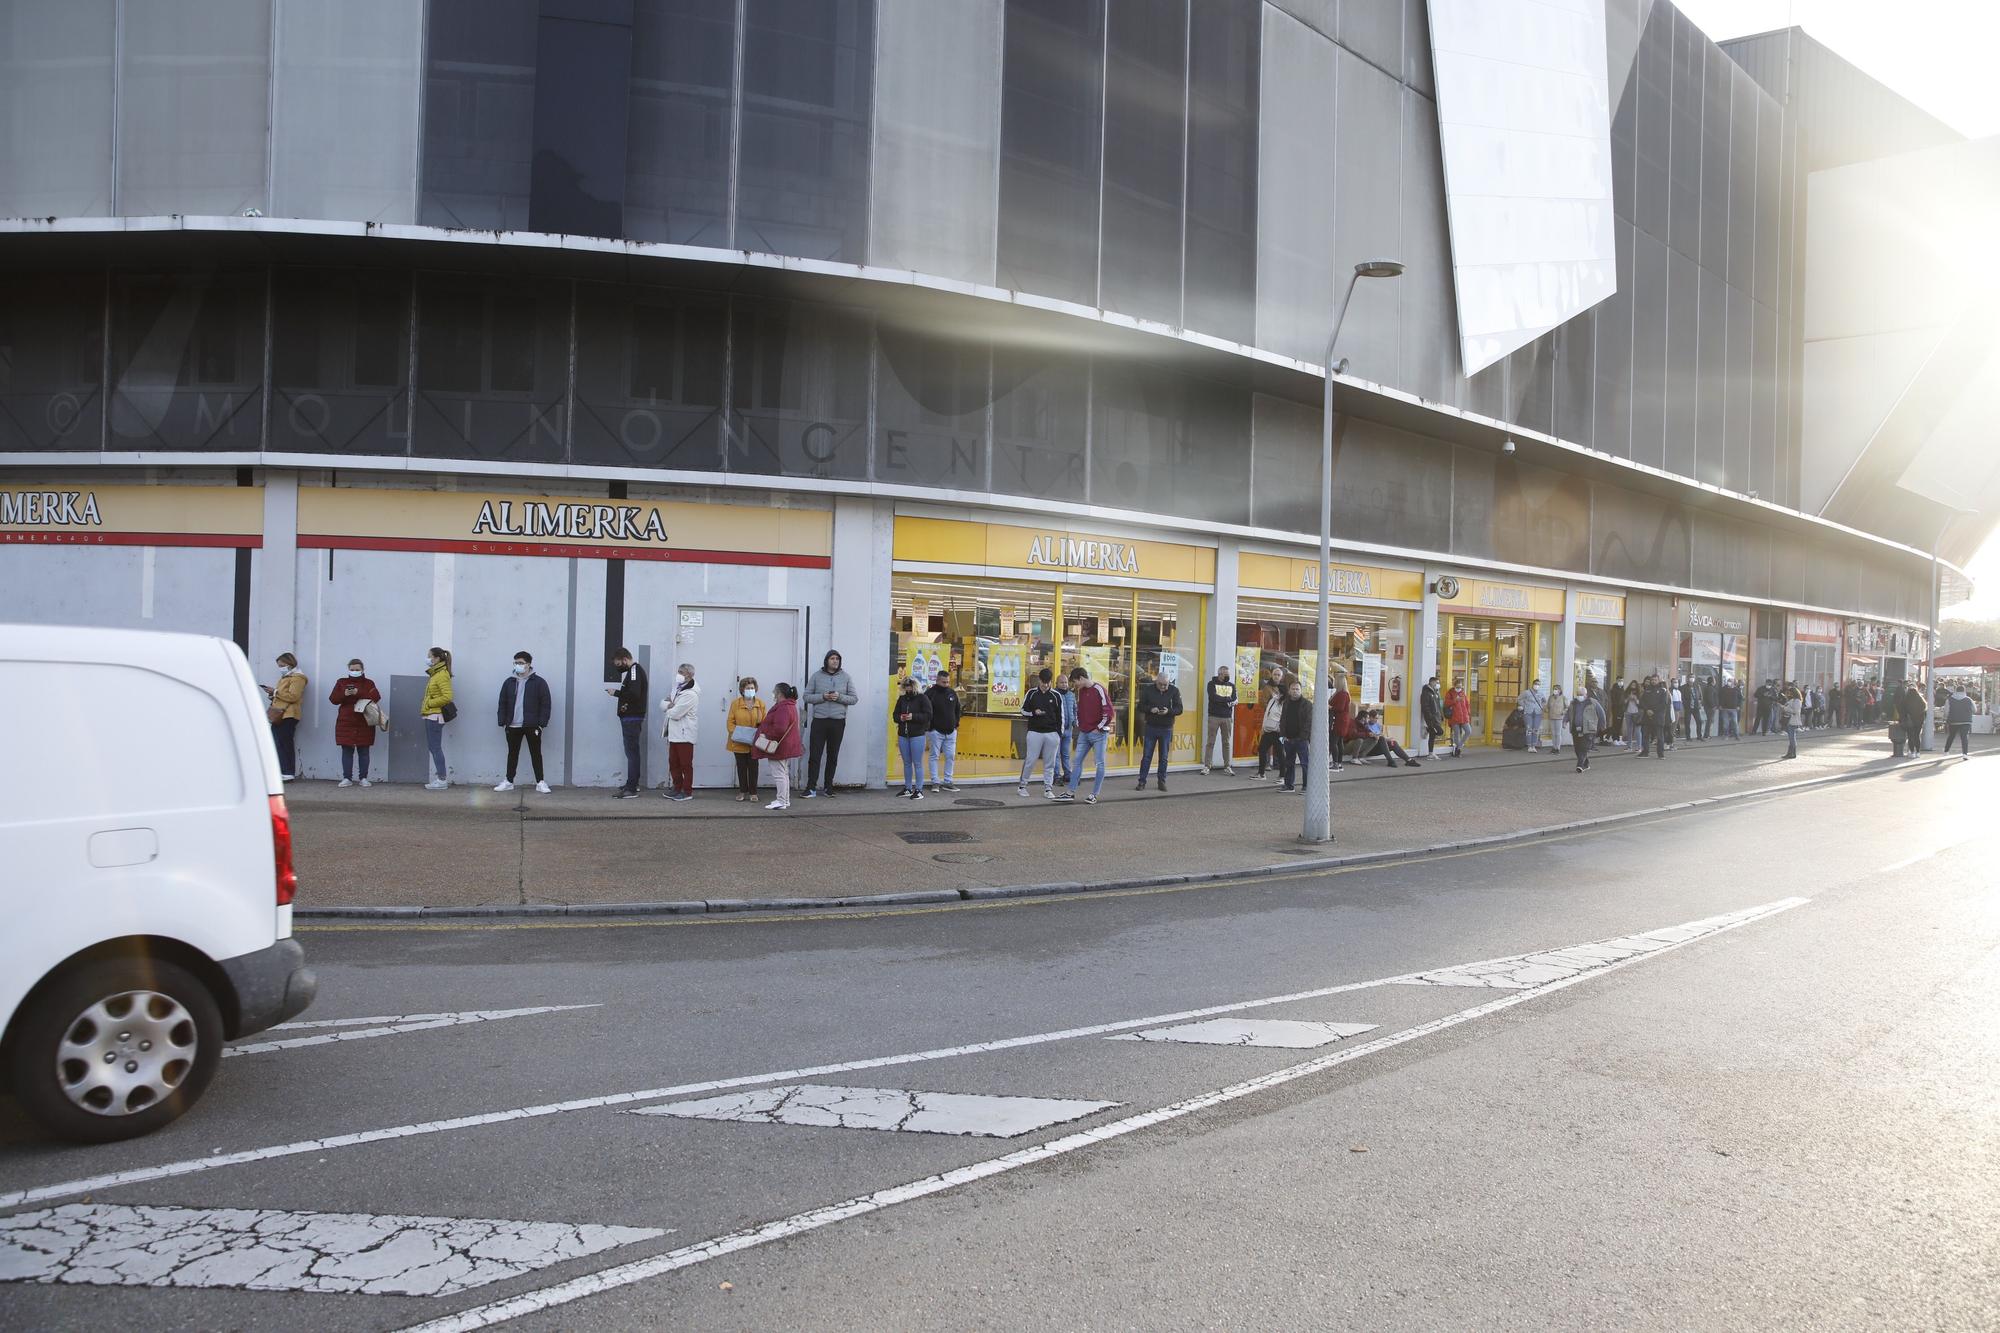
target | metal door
[{"x": 724, "y": 644}]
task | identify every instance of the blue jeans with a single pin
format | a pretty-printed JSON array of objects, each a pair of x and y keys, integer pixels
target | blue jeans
[
  {"x": 347, "y": 760},
  {"x": 1154, "y": 740},
  {"x": 1297, "y": 755},
  {"x": 1087, "y": 744},
  {"x": 630, "y": 727},
  {"x": 1791, "y": 741},
  {"x": 1068, "y": 743},
  {"x": 434, "y": 737},
  {"x": 912, "y": 750},
  {"x": 1726, "y": 725},
  {"x": 941, "y": 752}
]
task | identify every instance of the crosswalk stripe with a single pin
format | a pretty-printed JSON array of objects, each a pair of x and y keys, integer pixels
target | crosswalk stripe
[
  {"x": 895, "y": 1109},
  {"x": 343, "y": 1031},
  {"x": 1282, "y": 1033}
]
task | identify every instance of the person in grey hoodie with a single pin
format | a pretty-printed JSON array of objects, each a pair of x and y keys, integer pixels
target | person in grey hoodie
[
  {"x": 829, "y": 694},
  {"x": 1958, "y": 721}
]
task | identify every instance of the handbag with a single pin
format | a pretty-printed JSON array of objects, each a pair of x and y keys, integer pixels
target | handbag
[
  {"x": 768, "y": 745},
  {"x": 274, "y": 714},
  {"x": 743, "y": 735},
  {"x": 449, "y": 712}
]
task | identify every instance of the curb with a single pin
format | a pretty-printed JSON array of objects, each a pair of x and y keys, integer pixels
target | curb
[{"x": 1252, "y": 874}]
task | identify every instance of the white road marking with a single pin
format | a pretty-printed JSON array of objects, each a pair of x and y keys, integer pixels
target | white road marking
[
  {"x": 359, "y": 1138},
  {"x": 1529, "y": 970},
  {"x": 830, "y": 1107},
  {"x": 640, "y": 1270},
  {"x": 395, "y": 1024},
  {"x": 1281, "y": 1032},
  {"x": 261, "y": 1249}
]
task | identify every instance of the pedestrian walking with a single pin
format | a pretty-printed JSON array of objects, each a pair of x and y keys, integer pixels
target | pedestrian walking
[
  {"x": 1430, "y": 709},
  {"x": 1220, "y": 726},
  {"x": 1295, "y": 729},
  {"x": 1914, "y": 711},
  {"x": 629, "y": 691},
  {"x": 746, "y": 715},
  {"x": 912, "y": 714},
  {"x": 1534, "y": 701},
  {"x": 1093, "y": 733},
  {"x": 1791, "y": 706},
  {"x": 1958, "y": 721},
  {"x": 1042, "y": 706},
  {"x": 526, "y": 705},
  {"x": 288, "y": 697},
  {"x": 941, "y": 742},
  {"x": 437, "y": 710},
  {"x": 1159, "y": 705},
  {"x": 1656, "y": 716},
  {"x": 1586, "y": 719},
  {"x": 829, "y": 694},
  {"x": 1458, "y": 710},
  {"x": 1270, "y": 747},
  {"x": 681, "y": 724},
  {"x": 353, "y": 728},
  {"x": 778, "y": 741}
]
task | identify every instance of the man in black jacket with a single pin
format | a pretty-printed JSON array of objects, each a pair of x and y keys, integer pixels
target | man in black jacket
[
  {"x": 1159, "y": 705},
  {"x": 1220, "y": 728},
  {"x": 630, "y": 692},
  {"x": 1432, "y": 709},
  {"x": 1042, "y": 706},
  {"x": 525, "y": 708},
  {"x": 941, "y": 744},
  {"x": 1295, "y": 731},
  {"x": 1656, "y": 714},
  {"x": 1708, "y": 697}
]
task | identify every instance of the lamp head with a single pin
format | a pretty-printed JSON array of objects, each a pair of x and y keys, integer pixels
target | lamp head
[{"x": 1379, "y": 268}]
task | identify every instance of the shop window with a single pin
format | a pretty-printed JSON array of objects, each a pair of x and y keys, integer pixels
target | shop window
[
  {"x": 1371, "y": 654},
  {"x": 340, "y": 361}
]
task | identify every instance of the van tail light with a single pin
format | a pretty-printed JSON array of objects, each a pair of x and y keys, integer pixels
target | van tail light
[{"x": 281, "y": 846}]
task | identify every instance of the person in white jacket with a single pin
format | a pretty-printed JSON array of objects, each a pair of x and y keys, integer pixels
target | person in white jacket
[{"x": 682, "y": 711}]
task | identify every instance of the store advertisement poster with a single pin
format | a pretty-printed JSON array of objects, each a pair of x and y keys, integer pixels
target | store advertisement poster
[
  {"x": 1007, "y": 669},
  {"x": 1309, "y": 670},
  {"x": 928, "y": 661},
  {"x": 1371, "y": 678},
  {"x": 1097, "y": 661},
  {"x": 1247, "y": 662}
]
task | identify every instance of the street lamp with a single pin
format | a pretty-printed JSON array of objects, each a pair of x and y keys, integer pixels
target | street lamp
[
  {"x": 1319, "y": 795},
  {"x": 1937, "y": 595}
]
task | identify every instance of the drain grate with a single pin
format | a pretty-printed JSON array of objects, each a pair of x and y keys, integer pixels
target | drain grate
[
  {"x": 979, "y": 803},
  {"x": 935, "y": 835},
  {"x": 964, "y": 858}
]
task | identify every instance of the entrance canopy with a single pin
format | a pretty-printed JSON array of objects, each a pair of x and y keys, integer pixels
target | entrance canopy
[{"x": 1986, "y": 657}]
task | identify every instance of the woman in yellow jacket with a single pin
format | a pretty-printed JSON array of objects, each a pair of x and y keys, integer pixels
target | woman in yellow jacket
[
  {"x": 746, "y": 714},
  {"x": 286, "y": 697},
  {"x": 437, "y": 710}
]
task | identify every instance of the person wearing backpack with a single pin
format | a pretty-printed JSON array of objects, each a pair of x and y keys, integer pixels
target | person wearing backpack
[
  {"x": 437, "y": 710},
  {"x": 352, "y": 731}
]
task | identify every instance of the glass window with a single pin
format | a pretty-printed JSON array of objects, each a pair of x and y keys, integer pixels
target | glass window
[
  {"x": 799, "y": 390},
  {"x": 1371, "y": 651},
  {"x": 193, "y": 107},
  {"x": 1163, "y": 442},
  {"x": 52, "y": 361},
  {"x": 347, "y": 92},
  {"x": 993, "y": 638},
  {"x": 492, "y": 367},
  {"x": 1051, "y": 116},
  {"x": 1599, "y": 660},
  {"x": 678, "y": 143},
  {"x": 187, "y": 361},
  {"x": 479, "y": 113},
  {"x": 55, "y": 140},
  {"x": 649, "y": 365},
  {"x": 802, "y": 175},
  {"x": 1295, "y": 286},
  {"x": 931, "y": 396},
  {"x": 583, "y": 74},
  {"x": 1169, "y": 638},
  {"x": 340, "y": 361},
  {"x": 1145, "y": 125},
  {"x": 1040, "y": 421},
  {"x": 1099, "y": 636}
]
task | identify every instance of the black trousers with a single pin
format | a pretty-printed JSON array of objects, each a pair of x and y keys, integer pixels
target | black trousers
[
  {"x": 534, "y": 738},
  {"x": 1656, "y": 738},
  {"x": 1960, "y": 732},
  {"x": 824, "y": 741},
  {"x": 1581, "y": 741},
  {"x": 746, "y": 773},
  {"x": 1270, "y": 752}
]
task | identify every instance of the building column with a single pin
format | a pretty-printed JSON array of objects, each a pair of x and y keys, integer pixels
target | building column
[
  {"x": 274, "y": 595},
  {"x": 1222, "y": 613},
  {"x": 863, "y": 534}
]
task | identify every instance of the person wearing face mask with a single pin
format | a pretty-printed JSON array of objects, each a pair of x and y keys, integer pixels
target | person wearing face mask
[
  {"x": 525, "y": 708},
  {"x": 683, "y": 722},
  {"x": 287, "y": 698},
  {"x": 437, "y": 710},
  {"x": 352, "y": 731},
  {"x": 1295, "y": 731},
  {"x": 912, "y": 714},
  {"x": 1586, "y": 719},
  {"x": 746, "y": 714},
  {"x": 630, "y": 692}
]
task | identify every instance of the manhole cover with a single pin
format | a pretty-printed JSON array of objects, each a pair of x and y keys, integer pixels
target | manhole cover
[
  {"x": 940, "y": 835},
  {"x": 979, "y": 803},
  {"x": 963, "y": 858}
]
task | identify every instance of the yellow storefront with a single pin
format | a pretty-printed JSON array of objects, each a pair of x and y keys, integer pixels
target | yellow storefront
[
  {"x": 1498, "y": 637},
  {"x": 995, "y": 603},
  {"x": 1277, "y": 629},
  {"x": 1598, "y": 656}
]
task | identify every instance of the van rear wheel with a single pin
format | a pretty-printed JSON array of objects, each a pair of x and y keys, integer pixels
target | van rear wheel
[{"x": 116, "y": 1048}]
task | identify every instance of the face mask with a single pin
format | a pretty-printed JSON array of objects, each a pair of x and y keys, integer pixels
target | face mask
[
  {"x": 684, "y": 679},
  {"x": 749, "y": 693},
  {"x": 520, "y": 668},
  {"x": 431, "y": 664},
  {"x": 354, "y": 671}
]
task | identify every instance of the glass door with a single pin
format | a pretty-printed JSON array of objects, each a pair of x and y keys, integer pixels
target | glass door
[{"x": 1098, "y": 636}]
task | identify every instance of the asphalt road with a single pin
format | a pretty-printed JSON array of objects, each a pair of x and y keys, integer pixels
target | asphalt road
[{"x": 1786, "y": 1114}]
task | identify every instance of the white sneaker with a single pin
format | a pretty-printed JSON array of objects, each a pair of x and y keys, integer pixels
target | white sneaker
[
  {"x": 505, "y": 786},
  {"x": 1021, "y": 791},
  {"x": 345, "y": 783},
  {"x": 779, "y": 805},
  {"x": 366, "y": 783},
  {"x": 436, "y": 784},
  {"x": 542, "y": 787},
  {"x": 288, "y": 777}
]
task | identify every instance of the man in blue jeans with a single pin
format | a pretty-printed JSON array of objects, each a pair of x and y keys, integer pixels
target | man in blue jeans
[
  {"x": 1093, "y": 733},
  {"x": 630, "y": 691},
  {"x": 1159, "y": 705}
]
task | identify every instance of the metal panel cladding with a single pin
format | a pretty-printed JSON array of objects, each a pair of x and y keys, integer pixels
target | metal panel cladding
[{"x": 1524, "y": 116}]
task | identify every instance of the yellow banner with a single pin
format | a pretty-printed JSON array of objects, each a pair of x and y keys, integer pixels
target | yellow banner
[
  {"x": 1281, "y": 573},
  {"x": 1249, "y": 658},
  {"x": 1600, "y": 608},
  {"x": 555, "y": 525},
  {"x": 1502, "y": 601},
  {"x": 132, "y": 515},
  {"x": 1076, "y": 555}
]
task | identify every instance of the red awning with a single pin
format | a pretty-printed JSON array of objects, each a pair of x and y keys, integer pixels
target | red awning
[{"x": 1972, "y": 657}]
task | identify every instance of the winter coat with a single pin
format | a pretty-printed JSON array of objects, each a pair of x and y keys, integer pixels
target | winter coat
[
  {"x": 437, "y": 690},
  {"x": 1534, "y": 702},
  {"x": 1433, "y": 711},
  {"x": 290, "y": 693},
  {"x": 1274, "y": 711},
  {"x": 912, "y": 712},
  {"x": 1221, "y": 697},
  {"x": 1958, "y": 710},
  {"x": 349, "y": 726},
  {"x": 1656, "y": 703},
  {"x": 782, "y": 724},
  {"x": 1340, "y": 717},
  {"x": 682, "y": 710},
  {"x": 536, "y": 708},
  {"x": 945, "y": 709},
  {"x": 743, "y": 713},
  {"x": 822, "y": 683},
  {"x": 1912, "y": 710},
  {"x": 1043, "y": 709},
  {"x": 1458, "y": 707},
  {"x": 1791, "y": 710},
  {"x": 1158, "y": 707},
  {"x": 632, "y": 692},
  {"x": 1295, "y": 723},
  {"x": 1586, "y": 716}
]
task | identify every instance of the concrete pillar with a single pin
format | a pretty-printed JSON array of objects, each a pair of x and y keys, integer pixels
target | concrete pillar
[
  {"x": 1427, "y": 636},
  {"x": 863, "y": 533},
  {"x": 274, "y": 582},
  {"x": 1222, "y": 613}
]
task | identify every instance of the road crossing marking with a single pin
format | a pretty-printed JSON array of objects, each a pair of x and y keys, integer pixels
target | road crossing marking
[
  {"x": 1286, "y": 1033},
  {"x": 911, "y": 1112},
  {"x": 1530, "y": 970},
  {"x": 262, "y": 1249},
  {"x": 641, "y": 1270},
  {"x": 345, "y": 1029}
]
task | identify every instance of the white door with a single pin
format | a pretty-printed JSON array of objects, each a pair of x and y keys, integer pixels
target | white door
[{"x": 724, "y": 644}]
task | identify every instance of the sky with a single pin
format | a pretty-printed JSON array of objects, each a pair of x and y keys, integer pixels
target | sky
[{"x": 1939, "y": 55}]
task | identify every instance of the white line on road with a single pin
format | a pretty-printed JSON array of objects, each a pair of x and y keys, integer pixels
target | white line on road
[
  {"x": 190, "y": 1166},
  {"x": 640, "y": 1270},
  {"x": 344, "y": 1031}
]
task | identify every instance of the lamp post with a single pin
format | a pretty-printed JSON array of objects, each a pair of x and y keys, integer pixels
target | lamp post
[{"x": 1318, "y": 776}]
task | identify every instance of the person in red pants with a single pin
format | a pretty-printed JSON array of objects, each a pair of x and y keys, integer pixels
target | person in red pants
[{"x": 683, "y": 709}]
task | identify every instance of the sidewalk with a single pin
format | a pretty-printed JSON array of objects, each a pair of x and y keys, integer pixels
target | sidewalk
[{"x": 404, "y": 846}]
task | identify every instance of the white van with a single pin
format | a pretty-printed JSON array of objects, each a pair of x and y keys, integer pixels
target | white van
[{"x": 147, "y": 883}]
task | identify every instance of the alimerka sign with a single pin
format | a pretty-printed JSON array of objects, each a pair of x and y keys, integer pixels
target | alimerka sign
[
  {"x": 132, "y": 516},
  {"x": 574, "y": 527}
]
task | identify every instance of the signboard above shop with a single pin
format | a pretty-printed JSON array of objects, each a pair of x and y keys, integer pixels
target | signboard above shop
[
  {"x": 1073, "y": 555},
  {"x": 1714, "y": 617},
  {"x": 1279, "y": 573},
  {"x": 132, "y": 516},
  {"x": 1501, "y": 601}
]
